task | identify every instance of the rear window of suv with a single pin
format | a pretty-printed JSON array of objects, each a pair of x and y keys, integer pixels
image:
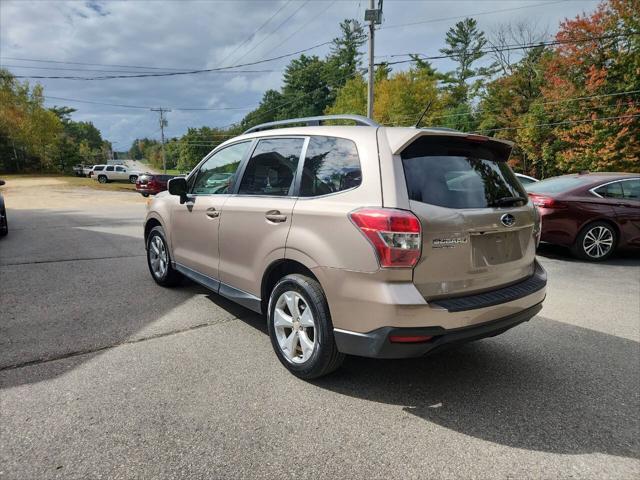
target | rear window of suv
[
  {"x": 456, "y": 172},
  {"x": 331, "y": 165}
]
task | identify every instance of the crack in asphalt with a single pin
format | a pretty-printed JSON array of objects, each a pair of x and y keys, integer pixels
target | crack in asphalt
[
  {"x": 71, "y": 260},
  {"x": 87, "y": 351}
]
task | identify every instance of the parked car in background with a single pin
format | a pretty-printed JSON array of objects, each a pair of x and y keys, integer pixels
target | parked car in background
[
  {"x": 82, "y": 170},
  {"x": 95, "y": 170},
  {"x": 151, "y": 183},
  {"x": 4, "y": 224},
  {"x": 114, "y": 173},
  {"x": 526, "y": 179},
  {"x": 78, "y": 170},
  {"x": 591, "y": 213},
  {"x": 383, "y": 242}
]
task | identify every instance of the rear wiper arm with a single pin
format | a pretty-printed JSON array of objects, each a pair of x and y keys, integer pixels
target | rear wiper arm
[{"x": 498, "y": 202}]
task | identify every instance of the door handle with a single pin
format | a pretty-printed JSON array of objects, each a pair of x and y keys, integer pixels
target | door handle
[
  {"x": 275, "y": 216},
  {"x": 212, "y": 213}
]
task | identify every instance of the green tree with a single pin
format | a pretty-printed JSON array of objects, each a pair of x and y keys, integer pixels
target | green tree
[{"x": 465, "y": 44}]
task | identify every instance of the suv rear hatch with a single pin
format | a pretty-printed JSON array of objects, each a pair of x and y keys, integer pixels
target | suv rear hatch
[{"x": 477, "y": 224}]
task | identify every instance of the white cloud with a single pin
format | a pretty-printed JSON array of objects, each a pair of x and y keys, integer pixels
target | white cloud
[{"x": 196, "y": 34}]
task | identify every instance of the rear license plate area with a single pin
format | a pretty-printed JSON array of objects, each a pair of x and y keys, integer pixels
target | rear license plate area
[{"x": 495, "y": 248}]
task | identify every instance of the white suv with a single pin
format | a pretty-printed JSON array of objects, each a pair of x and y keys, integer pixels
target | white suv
[{"x": 110, "y": 173}]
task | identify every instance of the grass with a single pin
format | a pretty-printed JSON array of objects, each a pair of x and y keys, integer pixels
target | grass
[{"x": 73, "y": 181}]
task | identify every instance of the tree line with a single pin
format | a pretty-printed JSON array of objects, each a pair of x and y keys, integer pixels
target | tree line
[
  {"x": 570, "y": 102},
  {"x": 34, "y": 138}
]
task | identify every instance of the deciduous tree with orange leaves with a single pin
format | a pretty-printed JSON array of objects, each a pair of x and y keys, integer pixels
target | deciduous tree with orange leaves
[{"x": 591, "y": 93}]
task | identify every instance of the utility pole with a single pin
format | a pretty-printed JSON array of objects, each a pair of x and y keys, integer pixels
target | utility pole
[
  {"x": 162, "y": 125},
  {"x": 374, "y": 16}
]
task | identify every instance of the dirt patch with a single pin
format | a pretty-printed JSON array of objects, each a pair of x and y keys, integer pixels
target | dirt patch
[{"x": 23, "y": 193}]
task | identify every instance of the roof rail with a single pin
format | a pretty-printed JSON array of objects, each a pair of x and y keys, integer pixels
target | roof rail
[{"x": 313, "y": 121}]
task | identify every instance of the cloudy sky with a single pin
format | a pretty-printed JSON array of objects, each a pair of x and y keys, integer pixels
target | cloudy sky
[{"x": 107, "y": 38}]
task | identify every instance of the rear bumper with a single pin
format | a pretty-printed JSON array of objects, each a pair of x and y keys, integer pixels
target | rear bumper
[
  {"x": 150, "y": 191},
  {"x": 376, "y": 344}
]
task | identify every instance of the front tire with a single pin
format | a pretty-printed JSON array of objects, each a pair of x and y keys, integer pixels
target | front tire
[
  {"x": 159, "y": 259},
  {"x": 300, "y": 327},
  {"x": 133, "y": 179},
  {"x": 596, "y": 242}
]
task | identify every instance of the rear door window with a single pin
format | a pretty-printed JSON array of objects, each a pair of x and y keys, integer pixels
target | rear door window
[
  {"x": 109, "y": 169},
  {"x": 631, "y": 189},
  {"x": 331, "y": 165},
  {"x": 460, "y": 173},
  {"x": 272, "y": 167}
]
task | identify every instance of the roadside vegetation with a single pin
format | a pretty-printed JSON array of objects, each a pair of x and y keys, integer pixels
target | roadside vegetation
[{"x": 570, "y": 101}]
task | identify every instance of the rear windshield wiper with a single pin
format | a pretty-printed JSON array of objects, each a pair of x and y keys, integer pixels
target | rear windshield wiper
[{"x": 502, "y": 201}]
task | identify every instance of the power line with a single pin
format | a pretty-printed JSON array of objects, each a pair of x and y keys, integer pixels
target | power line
[
  {"x": 444, "y": 19},
  {"x": 519, "y": 47},
  {"x": 566, "y": 122},
  {"x": 186, "y": 72},
  {"x": 121, "y": 71},
  {"x": 252, "y": 36},
  {"x": 315, "y": 17},
  {"x": 144, "y": 107},
  {"x": 552, "y": 102},
  {"x": 273, "y": 31}
]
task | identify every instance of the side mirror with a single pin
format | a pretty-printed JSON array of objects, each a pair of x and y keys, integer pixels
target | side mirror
[{"x": 178, "y": 186}]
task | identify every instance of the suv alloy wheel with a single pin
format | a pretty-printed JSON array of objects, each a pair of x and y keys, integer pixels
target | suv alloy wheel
[
  {"x": 159, "y": 259},
  {"x": 300, "y": 327}
]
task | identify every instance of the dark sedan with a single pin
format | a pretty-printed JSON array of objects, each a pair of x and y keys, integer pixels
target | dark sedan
[
  {"x": 4, "y": 224},
  {"x": 150, "y": 183},
  {"x": 591, "y": 213}
]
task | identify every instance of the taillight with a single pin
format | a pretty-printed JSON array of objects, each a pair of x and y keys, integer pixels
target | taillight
[
  {"x": 546, "y": 202},
  {"x": 395, "y": 234}
]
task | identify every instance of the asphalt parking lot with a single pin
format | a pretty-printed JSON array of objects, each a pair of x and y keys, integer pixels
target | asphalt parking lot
[{"x": 103, "y": 374}]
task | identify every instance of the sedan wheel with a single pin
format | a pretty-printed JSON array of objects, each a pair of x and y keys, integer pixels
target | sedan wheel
[{"x": 596, "y": 242}]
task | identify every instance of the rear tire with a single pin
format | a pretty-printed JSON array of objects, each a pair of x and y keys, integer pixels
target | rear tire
[
  {"x": 145, "y": 195},
  {"x": 103, "y": 179},
  {"x": 159, "y": 259},
  {"x": 300, "y": 327},
  {"x": 595, "y": 242}
]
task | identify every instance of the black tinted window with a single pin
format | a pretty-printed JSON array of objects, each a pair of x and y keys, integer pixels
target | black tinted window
[
  {"x": 612, "y": 190},
  {"x": 216, "y": 175},
  {"x": 631, "y": 189},
  {"x": 272, "y": 167},
  {"x": 459, "y": 173},
  {"x": 109, "y": 169},
  {"x": 330, "y": 165}
]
